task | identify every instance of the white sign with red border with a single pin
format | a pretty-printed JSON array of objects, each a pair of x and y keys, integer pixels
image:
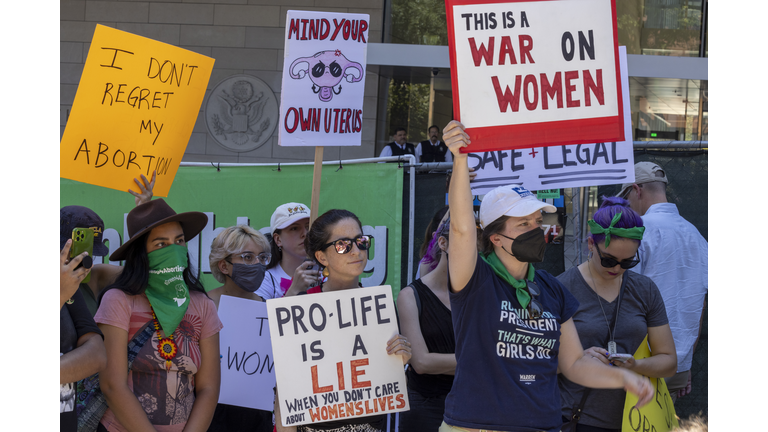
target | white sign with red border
[
  {"x": 535, "y": 73},
  {"x": 573, "y": 165}
]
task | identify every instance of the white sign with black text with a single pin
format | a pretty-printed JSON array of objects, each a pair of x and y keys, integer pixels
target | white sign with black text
[
  {"x": 247, "y": 364},
  {"x": 331, "y": 355}
]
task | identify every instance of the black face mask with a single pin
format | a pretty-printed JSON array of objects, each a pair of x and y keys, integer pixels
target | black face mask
[
  {"x": 528, "y": 247},
  {"x": 248, "y": 277}
]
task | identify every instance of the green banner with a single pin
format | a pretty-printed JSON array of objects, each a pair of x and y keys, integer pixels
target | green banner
[
  {"x": 249, "y": 195},
  {"x": 548, "y": 193}
]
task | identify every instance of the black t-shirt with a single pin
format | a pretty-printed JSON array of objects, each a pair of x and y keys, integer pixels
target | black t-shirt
[
  {"x": 437, "y": 330},
  {"x": 74, "y": 321}
]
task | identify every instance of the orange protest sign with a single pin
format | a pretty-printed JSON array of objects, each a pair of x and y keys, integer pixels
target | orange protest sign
[{"x": 134, "y": 111}]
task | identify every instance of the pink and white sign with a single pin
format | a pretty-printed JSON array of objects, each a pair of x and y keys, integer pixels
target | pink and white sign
[{"x": 323, "y": 79}]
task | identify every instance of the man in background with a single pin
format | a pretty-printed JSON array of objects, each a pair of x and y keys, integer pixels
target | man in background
[
  {"x": 433, "y": 150},
  {"x": 399, "y": 147},
  {"x": 674, "y": 255}
]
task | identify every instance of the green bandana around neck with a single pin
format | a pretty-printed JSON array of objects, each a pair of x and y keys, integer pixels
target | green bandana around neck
[
  {"x": 635, "y": 233},
  {"x": 167, "y": 292},
  {"x": 520, "y": 286}
]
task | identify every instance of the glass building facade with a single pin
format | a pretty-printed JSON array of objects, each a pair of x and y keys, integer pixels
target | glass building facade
[
  {"x": 408, "y": 80},
  {"x": 668, "y": 99}
]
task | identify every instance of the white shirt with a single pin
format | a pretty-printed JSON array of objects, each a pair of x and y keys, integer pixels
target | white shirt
[
  {"x": 675, "y": 256},
  {"x": 448, "y": 155},
  {"x": 268, "y": 289}
]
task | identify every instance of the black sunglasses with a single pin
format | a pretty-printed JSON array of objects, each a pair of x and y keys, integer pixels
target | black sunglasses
[
  {"x": 611, "y": 263},
  {"x": 344, "y": 245},
  {"x": 535, "y": 309}
]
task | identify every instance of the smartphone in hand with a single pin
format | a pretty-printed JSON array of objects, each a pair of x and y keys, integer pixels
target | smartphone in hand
[
  {"x": 620, "y": 357},
  {"x": 82, "y": 241}
]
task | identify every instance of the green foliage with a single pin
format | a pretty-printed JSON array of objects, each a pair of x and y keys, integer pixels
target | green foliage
[
  {"x": 419, "y": 22},
  {"x": 408, "y": 107}
]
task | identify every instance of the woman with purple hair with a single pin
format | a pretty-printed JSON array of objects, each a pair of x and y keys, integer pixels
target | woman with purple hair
[
  {"x": 427, "y": 260},
  {"x": 425, "y": 319},
  {"x": 617, "y": 308}
]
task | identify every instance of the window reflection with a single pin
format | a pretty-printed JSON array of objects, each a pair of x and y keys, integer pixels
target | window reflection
[
  {"x": 662, "y": 109},
  {"x": 415, "y": 99},
  {"x": 418, "y": 22},
  {"x": 668, "y": 109},
  {"x": 651, "y": 27},
  {"x": 661, "y": 27}
]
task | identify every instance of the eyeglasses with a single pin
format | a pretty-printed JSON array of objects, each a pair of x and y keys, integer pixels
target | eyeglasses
[
  {"x": 344, "y": 245},
  {"x": 251, "y": 258},
  {"x": 535, "y": 309},
  {"x": 627, "y": 191},
  {"x": 611, "y": 263}
]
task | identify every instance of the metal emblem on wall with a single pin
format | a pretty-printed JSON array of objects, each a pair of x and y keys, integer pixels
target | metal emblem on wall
[{"x": 241, "y": 113}]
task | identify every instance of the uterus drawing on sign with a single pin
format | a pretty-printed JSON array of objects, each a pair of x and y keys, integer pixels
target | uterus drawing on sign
[{"x": 326, "y": 70}]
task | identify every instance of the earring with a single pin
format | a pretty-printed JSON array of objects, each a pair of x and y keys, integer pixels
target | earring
[
  {"x": 325, "y": 272},
  {"x": 589, "y": 256},
  {"x": 279, "y": 249}
]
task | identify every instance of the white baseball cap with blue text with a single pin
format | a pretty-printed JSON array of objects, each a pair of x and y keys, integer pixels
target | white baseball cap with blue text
[{"x": 511, "y": 200}]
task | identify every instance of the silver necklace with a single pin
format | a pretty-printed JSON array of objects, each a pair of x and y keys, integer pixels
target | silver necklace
[{"x": 611, "y": 342}]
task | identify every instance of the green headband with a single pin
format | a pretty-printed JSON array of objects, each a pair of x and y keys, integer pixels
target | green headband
[{"x": 635, "y": 233}]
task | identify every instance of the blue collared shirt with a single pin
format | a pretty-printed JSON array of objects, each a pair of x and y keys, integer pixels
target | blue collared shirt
[{"x": 675, "y": 255}]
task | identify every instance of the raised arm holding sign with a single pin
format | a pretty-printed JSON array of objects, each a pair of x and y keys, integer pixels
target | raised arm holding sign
[
  {"x": 514, "y": 321},
  {"x": 338, "y": 356}
]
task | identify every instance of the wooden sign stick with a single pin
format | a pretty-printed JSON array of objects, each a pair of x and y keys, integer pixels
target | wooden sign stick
[{"x": 316, "y": 176}]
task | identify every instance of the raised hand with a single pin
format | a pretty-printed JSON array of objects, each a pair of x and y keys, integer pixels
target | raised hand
[{"x": 145, "y": 188}]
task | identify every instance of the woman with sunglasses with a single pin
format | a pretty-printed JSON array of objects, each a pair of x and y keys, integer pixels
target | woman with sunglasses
[
  {"x": 512, "y": 324},
  {"x": 337, "y": 244},
  {"x": 425, "y": 318},
  {"x": 602, "y": 285},
  {"x": 159, "y": 308},
  {"x": 239, "y": 256}
]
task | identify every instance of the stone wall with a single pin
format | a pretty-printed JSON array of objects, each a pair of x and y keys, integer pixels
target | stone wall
[{"x": 244, "y": 36}]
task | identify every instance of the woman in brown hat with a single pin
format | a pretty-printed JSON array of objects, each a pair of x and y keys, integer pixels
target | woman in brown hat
[{"x": 160, "y": 308}]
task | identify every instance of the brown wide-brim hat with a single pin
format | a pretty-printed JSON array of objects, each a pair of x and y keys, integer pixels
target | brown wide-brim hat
[{"x": 143, "y": 218}]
